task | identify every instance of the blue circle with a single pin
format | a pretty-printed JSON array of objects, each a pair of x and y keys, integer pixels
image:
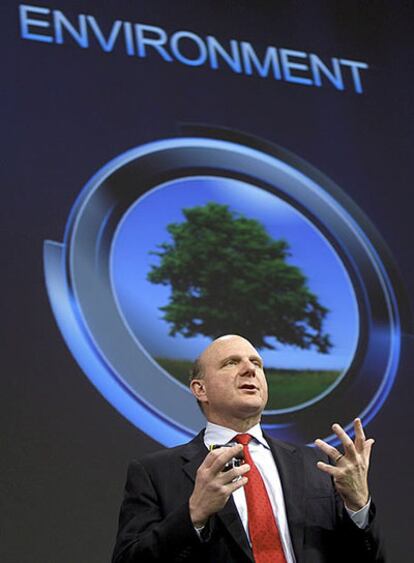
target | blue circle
[{"x": 144, "y": 227}]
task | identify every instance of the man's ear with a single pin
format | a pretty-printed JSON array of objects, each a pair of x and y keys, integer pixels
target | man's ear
[{"x": 198, "y": 389}]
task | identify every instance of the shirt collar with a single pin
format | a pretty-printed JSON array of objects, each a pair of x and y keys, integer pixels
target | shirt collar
[{"x": 216, "y": 434}]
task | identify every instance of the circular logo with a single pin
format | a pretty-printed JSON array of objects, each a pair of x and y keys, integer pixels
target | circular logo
[{"x": 182, "y": 239}]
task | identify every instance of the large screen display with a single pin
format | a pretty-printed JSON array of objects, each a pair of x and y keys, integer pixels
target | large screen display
[{"x": 176, "y": 171}]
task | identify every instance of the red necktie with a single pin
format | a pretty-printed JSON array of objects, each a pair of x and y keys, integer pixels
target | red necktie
[{"x": 263, "y": 530}]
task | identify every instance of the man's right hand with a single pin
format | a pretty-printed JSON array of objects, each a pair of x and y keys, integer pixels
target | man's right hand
[{"x": 213, "y": 486}]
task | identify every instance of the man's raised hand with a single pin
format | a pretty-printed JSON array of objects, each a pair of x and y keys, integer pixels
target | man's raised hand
[
  {"x": 213, "y": 486},
  {"x": 350, "y": 470}
]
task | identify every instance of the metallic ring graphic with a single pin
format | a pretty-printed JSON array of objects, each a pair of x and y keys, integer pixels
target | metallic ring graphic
[{"x": 78, "y": 279}]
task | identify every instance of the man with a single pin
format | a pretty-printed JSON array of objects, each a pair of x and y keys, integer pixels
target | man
[{"x": 283, "y": 504}]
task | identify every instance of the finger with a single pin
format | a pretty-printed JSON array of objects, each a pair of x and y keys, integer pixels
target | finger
[
  {"x": 329, "y": 450},
  {"x": 326, "y": 468},
  {"x": 235, "y": 473},
  {"x": 238, "y": 484},
  {"x": 359, "y": 435},
  {"x": 346, "y": 441},
  {"x": 368, "y": 447},
  {"x": 217, "y": 459},
  {"x": 211, "y": 458}
]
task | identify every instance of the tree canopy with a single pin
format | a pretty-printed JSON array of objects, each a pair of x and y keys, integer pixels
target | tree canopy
[{"x": 227, "y": 275}]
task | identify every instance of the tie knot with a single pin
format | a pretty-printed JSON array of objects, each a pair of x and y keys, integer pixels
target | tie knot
[{"x": 243, "y": 439}]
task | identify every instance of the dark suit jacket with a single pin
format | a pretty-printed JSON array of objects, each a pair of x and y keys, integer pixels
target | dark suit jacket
[{"x": 155, "y": 525}]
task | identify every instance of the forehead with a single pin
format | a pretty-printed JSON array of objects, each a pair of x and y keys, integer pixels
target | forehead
[{"x": 227, "y": 346}]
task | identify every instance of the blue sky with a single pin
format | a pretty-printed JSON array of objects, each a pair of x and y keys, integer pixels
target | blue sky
[{"x": 144, "y": 227}]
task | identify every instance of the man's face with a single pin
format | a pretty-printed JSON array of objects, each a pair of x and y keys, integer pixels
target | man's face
[{"x": 234, "y": 385}]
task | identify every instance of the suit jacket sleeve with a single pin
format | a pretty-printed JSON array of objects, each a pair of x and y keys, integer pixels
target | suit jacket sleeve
[
  {"x": 366, "y": 543},
  {"x": 339, "y": 539},
  {"x": 147, "y": 532}
]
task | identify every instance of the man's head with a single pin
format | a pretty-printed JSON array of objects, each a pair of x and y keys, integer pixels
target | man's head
[{"x": 229, "y": 382}]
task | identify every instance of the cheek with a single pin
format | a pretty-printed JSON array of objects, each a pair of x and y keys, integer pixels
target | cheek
[{"x": 215, "y": 390}]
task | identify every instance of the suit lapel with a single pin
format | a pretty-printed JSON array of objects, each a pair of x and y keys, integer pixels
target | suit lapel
[
  {"x": 289, "y": 463},
  {"x": 194, "y": 455},
  {"x": 231, "y": 521}
]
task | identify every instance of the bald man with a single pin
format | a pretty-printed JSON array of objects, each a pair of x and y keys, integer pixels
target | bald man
[{"x": 283, "y": 503}]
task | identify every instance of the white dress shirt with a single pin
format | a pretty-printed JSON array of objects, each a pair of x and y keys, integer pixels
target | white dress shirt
[
  {"x": 262, "y": 456},
  {"x": 263, "y": 459}
]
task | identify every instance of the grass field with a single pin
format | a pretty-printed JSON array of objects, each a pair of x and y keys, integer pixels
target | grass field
[{"x": 286, "y": 387}]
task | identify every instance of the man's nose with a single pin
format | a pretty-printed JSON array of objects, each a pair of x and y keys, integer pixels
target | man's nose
[{"x": 248, "y": 368}]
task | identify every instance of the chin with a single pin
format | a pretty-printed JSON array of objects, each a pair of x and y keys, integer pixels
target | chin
[
  {"x": 252, "y": 408},
  {"x": 254, "y": 400}
]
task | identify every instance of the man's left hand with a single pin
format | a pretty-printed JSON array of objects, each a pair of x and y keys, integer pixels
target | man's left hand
[{"x": 350, "y": 472}]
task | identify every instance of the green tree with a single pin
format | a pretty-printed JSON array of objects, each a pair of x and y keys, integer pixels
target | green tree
[{"x": 227, "y": 275}]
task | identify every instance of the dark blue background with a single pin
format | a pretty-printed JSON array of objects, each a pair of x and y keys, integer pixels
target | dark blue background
[{"x": 67, "y": 111}]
